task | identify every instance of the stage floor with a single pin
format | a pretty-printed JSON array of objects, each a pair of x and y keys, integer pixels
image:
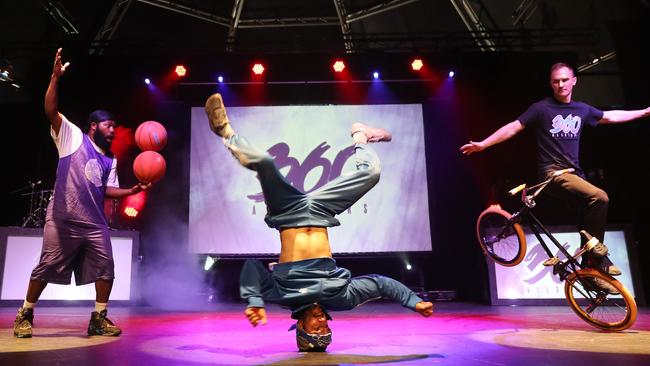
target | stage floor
[{"x": 457, "y": 334}]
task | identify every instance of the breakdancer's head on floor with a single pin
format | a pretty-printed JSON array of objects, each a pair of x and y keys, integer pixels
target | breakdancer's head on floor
[{"x": 313, "y": 333}]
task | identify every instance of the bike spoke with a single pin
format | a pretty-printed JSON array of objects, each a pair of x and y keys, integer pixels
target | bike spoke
[
  {"x": 595, "y": 305},
  {"x": 500, "y": 239}
]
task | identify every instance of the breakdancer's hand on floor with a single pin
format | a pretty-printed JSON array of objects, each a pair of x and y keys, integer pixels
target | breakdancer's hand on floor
[
  {"x": 425, "y": 308},
  {"x": 256, "y": 316}
]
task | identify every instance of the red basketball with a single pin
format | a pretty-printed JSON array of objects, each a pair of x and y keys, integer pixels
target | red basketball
[
  {"x": 149, "y": 166},
  {"x": 151, "y": 135}
]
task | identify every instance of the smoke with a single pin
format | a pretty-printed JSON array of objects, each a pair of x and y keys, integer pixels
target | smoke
[{"x": 172, "y": 278}]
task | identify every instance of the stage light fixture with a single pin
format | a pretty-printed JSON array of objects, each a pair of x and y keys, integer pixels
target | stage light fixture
[
  {"x": 451, "y": 74},
  {"x": 180, "y": 70},
  {"x": 220, "y": 79},
  {"x": 134, "y": 204},
  {"x": 7, "y": 73},
  {"x": 338, "y": 66},
  {"x": 147, "y": 81},
  {"x": 417, "y": 64},
  {"x": 408, "y": 266},
  {"x": 258, "y": 69},
  {"x": 209, "y": 262},
  {"x": 130, "y": 211},
  {"x": 375, "y": 75}
]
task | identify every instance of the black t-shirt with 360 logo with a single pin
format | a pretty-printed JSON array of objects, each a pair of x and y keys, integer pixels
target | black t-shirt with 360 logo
[{"x": 557, "y": 127}]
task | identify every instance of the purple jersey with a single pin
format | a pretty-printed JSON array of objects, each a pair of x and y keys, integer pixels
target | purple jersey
[{"x": 80, "y": 187}]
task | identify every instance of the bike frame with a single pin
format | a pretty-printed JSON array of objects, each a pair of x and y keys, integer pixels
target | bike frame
[{"x": 526, "y": 217}]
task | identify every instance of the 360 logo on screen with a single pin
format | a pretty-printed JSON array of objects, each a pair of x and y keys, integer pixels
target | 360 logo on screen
[{"x": 298, "y": 172}]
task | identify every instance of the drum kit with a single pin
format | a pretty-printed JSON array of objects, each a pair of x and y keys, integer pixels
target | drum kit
[{"x": 38, "y": 201}]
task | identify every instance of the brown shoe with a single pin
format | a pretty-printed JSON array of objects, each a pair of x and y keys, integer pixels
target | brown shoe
[
  {"x": 216, "y": 112},
  {"x": 100, "y": 325},
  {"x": 23, "y": 323}
]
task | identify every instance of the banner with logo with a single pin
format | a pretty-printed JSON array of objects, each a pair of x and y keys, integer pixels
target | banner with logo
[
  {"x": 311, "y": 146},
  {"x": 531, "y": 280}
]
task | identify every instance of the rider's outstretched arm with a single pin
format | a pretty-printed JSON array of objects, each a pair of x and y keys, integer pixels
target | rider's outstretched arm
[
  {"x": 618, "y": 116},
  {"x": 504, "y": 133}
]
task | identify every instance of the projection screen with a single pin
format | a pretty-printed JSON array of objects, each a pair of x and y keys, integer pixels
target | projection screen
[{"x": 310, "y": 144}]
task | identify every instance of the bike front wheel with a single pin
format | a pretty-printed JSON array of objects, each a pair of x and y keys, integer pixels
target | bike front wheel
[
  {"x": 501, "y": 239},
  {"x": 587, "y": 294}
]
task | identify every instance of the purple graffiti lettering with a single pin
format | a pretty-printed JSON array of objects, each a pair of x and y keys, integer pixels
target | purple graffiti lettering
[
  {"x": 314, "y": 160},
  {"x": 298, "y": 172},
  {"x": 340, "y": 160},
  {"x": 536, "y": 256}
]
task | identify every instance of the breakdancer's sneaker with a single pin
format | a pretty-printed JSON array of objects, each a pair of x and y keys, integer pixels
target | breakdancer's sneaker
[
  {"x": 216, "y": 112},
  {"x": 100, "y": 325},
  {"x": 373, "y": 134},
  {"x": 23, "y": 323}
]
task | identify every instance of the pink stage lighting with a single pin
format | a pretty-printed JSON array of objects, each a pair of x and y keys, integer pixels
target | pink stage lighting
[
  {"x": 338, "y": 66},
  {"x": 180, "y": 70},
  {"x": 417, "y": 64},
  {"x": 258, "y": 69}
]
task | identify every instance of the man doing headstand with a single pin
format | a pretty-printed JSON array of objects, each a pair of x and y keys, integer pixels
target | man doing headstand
[{"x": 306, "y": 278}]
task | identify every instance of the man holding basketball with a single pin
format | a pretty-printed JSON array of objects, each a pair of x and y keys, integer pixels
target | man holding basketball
[
  {"x": 307, "y": 279},
  {"x": 76, "y": 236}
]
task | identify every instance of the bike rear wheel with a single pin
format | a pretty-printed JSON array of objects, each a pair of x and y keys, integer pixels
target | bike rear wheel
[
  {"x": 597, "y": 306},
  {"x": 501, "y": 239}
]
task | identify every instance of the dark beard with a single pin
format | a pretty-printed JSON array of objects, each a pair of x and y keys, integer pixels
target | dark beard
[{"x": 101, "y": 141}]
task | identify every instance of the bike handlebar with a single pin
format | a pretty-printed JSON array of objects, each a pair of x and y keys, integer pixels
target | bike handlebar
[{"x": 517, "y": 189}]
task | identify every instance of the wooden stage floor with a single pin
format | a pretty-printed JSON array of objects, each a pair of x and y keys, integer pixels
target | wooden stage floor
[{"x": 457, "y": 334}]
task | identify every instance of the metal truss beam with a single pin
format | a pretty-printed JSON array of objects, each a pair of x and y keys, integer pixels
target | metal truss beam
[
  {"x": 60, "y": 16},
  {"x": 288, "y": 22},
  {"x": 345, "y": 27},
  {"x": 473, "y": 23},
  {"x": 189, "y": 11},
  {"x": 234, "y": 23},
  {"x": 374, "y": 10},
  {"x": 112, "y": 22},
  {"x": 596, "y": 61},
  {"x": 523, "y": 12}
]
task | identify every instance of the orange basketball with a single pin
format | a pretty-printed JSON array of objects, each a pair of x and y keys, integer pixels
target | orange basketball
[
  {"x": 151, "y": 135},
  {"x": 149, "y": 166}
]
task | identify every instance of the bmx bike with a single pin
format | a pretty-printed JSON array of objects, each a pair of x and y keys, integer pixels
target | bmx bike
[{"x": 595, "y": 296}]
